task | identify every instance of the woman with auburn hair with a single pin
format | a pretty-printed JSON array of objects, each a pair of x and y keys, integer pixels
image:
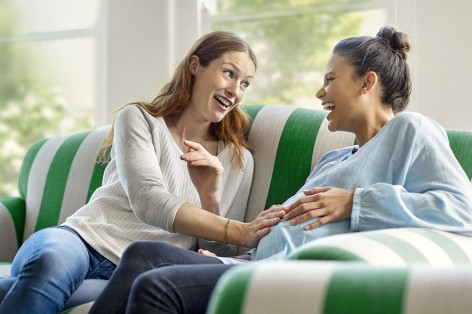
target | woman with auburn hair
[{"x": 164, "y": 181}]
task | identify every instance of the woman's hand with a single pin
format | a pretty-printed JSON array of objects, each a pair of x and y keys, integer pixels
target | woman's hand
[
  {"x": 206, "y": 172},
  {"x": 260, "y": 226},
  {"x": 206, "y": 253},
  {"x": 329, "y": 204}
]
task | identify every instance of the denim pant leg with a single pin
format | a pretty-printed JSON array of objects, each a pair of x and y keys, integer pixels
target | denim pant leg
[
  {"x": 138, "y": 258},
  {"x": 175, "y": 289},
  {"x": 49, "y": 266}
]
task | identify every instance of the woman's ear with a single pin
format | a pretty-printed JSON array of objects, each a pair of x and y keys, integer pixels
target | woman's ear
[
  {"x": 369, "y": 82},
  {"x": 193, "y": 64}
]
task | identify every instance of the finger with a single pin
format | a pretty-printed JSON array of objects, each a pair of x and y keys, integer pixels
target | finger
[
  {"x": 301, "y": 201},
  {"x": 262, "y": 232},
  {"x": 273, "y": 213},
  {"x": 193, "y": 156},
  {"x": 318, "y": 213},
  {"x": 302, "y": 208},
  {"x": 193, "y": 145},
  {"x": 267, "y": 222},
  {"x": 316, "y": 190},
  {"x": 273, "y": 209},
  {"x": 318, "y": 223}
]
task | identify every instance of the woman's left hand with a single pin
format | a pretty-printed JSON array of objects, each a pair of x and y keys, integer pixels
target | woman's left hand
[
  {"x": 206, "y": 170},
  {"x": 329, "y": 204}
]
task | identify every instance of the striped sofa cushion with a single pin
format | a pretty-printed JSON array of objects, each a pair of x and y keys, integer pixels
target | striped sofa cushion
[
  {"x": 58, "y": 176},
  {"x": 391, "y": 247},
  {"x": 12, "y": 217},
  {"x": 287, "y": 142},
  {"x": 334, "y": 287},
  {"x": 461, "y": 144}
]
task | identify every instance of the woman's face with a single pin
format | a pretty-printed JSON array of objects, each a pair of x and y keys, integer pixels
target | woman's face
[
  {"x": 220, "y": 86},
  {"x": 340, "y": 95}
]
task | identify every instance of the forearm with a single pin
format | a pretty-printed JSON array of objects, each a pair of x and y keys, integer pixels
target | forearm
[{"x": 200, "y": 223}]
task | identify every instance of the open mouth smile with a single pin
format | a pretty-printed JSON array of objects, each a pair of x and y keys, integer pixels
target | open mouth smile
[
  {"x": 223, "y": 101},
  {"x": 329, "y": 106}
]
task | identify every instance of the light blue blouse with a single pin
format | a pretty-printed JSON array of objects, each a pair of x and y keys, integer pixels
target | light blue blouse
[{"x": 405, "y": 176}]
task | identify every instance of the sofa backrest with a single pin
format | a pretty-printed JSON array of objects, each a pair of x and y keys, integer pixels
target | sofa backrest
[
  {"x": 59, "y": 174},
  {"x": 287, "y": 143}
]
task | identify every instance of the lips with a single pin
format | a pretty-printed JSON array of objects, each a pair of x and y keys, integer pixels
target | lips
[
  {"x": 328, "y": 106},
  {"x": 226, "y": 103}
]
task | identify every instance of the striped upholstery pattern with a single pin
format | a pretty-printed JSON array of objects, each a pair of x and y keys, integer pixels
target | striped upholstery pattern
[
  {"x": 12, "y": 217},
  {"x": 58, "y": 177},
  {"x": 461, "y": 144},
  {"x": 287, "y": 143},
  {"x": 329, "y": 287},
  {"x": 391, "y": 247}
]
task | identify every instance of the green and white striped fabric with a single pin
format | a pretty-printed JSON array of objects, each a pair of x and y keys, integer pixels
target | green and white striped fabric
[
  {"x": 335, "y": 287},
  {"x": 12, "y": 217},
  {"x": 391, "y": 247},
  {"x": 461, "y": 144},
  {"x": 57, "y": 177},
  {"x": 287, "y": 143}
]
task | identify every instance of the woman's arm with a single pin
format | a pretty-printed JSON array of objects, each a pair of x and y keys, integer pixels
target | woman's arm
[
  {"x": 194, "y": 221},
  {"x": 235, "y": 188}
]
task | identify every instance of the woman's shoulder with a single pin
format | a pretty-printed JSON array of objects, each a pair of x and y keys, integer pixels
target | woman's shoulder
[
  {"x": 132, "y": 114},
  {"x": 416, "y": 126},
  {"x": 416, "y": 122}
]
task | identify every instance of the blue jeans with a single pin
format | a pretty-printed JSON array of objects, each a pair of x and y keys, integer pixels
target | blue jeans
[
  {"x": 155, "y": 277},
  {"x": 48, "y": 268}
]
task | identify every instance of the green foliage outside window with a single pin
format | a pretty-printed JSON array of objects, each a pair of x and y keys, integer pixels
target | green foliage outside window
[
  {"x": 292, "y": 40},
  {"x": 31, "y": 107}
]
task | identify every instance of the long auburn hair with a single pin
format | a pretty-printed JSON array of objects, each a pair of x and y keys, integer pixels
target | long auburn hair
[{"x": 175, "y": 95}]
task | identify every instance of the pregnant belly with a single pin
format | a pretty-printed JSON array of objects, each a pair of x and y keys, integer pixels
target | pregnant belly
[{"x": 284, "y": 238}]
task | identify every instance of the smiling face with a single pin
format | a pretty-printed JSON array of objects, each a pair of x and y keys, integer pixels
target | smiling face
[
  {"x": 341, "y": 95},
  {"x": 220, "y": 86}
]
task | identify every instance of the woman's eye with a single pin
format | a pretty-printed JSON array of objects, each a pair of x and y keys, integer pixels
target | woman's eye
[
  {"x": 229, "y": 73},
  {"x": 245, "y": 84}
]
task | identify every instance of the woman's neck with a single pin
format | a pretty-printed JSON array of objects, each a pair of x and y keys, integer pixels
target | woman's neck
[{"x": 373, "y": 124}]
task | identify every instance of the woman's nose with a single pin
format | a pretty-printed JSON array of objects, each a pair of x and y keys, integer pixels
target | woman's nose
[{"x": 320, "y": 93}]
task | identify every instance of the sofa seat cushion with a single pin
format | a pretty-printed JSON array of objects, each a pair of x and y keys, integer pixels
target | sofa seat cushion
[
  {"x": 392, "y": 247},
  {"x": 317, "y": 287}
]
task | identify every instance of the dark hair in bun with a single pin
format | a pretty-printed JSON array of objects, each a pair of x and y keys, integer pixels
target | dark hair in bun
[
  {"x": 397, "y": 41},
  {"x": 385, "y": 55}
]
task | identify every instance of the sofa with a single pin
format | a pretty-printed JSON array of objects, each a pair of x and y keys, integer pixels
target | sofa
[{"x": 338, "y": 274}]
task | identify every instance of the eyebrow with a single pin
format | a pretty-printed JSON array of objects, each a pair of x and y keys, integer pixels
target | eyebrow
[{"x": 237, "y": 68}]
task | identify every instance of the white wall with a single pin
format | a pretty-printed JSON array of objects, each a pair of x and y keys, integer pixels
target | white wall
[
  {"x": 146, "y": 39},
  {"x": 444, "y": 48},
  {"x": 142, "y": 43}
]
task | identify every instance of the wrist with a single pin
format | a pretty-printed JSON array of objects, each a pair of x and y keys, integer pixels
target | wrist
[
  {"x": 234, "y": 232},
  {"x": 211, "y": 204}
]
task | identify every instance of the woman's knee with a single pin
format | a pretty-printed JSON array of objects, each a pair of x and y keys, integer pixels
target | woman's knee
[
  {"x": 155, "y": 289},
  {"x": 51, "y": 250}
]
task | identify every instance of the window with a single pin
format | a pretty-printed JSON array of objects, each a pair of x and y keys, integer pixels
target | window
[
  {"x": 47, "y": 86},
  {"x": 293, "y": 40}
]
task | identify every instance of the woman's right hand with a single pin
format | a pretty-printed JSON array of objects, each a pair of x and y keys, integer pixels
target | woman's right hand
[{"x": 261, "y": 225}]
